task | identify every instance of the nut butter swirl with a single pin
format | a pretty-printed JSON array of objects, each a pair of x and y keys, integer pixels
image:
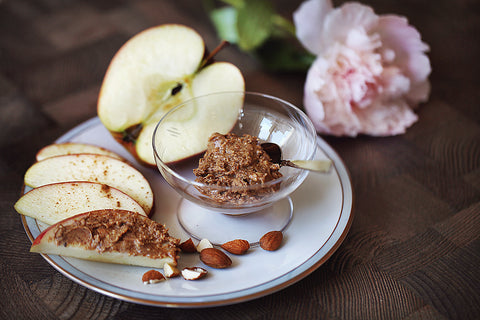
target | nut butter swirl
[
  {"x": 119, "y": 231},
  {"x": 236, "y": 161}
]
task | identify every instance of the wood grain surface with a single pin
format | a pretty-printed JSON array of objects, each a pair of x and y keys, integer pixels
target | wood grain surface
[{"x": 413, "y": 251}]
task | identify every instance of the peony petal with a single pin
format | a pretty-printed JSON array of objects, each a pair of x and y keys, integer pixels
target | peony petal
[
  {"x": 359, "y": 40},
  {"x": 314, "y": 82},
  {"x": 340, "y": 22},
  {"x": 405, "y": 41},
  {"x": 386, "y": 119},
  {"x": 308, "y": 20},
  {"x": 325, "y": 106},
  {"x": 395, "y": 84}
]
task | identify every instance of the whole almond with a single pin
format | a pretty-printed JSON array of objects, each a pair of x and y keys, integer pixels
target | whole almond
[
  {"x": 188, "y": 246},
  {"x": 237, "y": 246},
  {"x": 215, "y": 258},
  {"x": 271, "y": 241}
]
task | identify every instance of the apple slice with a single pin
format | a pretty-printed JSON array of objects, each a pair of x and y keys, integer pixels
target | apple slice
[
  {"x": 94, "y": 168},
  {"x": 60, "y": 149},
  {"x": 154, "y": 71},
  {"x": 115, "y": 236},
  {"x": 54, "y": 202}
]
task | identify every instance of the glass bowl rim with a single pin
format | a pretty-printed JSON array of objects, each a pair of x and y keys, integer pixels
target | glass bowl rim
[{"x": 310, "y": 127}]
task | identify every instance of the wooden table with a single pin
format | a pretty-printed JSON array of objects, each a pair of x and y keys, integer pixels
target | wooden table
[{"x": 413, "y": 250}]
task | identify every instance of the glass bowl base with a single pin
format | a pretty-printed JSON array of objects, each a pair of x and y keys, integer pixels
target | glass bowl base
[{"x": 201, "y": 223}]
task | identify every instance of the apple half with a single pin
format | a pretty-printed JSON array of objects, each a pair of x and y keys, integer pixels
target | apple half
[
  {"x": 153, "y": 72},
  {"x": 59, "y": 149},
  {"x": 114, "y": 236},
  {"x": 94, "y": 168},
  {"x": 54, "y": 202}
]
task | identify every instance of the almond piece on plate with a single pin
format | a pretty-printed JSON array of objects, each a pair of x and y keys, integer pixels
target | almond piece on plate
[
  {"x": 113, "y": 235},
  {"x": 193, "y": 273},
  {"x": 237, "y": 246},
  {"x": 188, "y": 246},
  {"x": 152, "y": 276},
  {"x": 170, "y": 271},
  {"x": 271, "y": 241},
  {"x": 215, "y": 258},
  {"x": 203, "y": 244}
]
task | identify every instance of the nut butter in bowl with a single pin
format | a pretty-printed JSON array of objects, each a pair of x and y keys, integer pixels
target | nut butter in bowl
[{"x": 209, "y": 150}]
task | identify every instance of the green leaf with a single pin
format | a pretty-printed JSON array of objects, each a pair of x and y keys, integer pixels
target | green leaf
[
  {"x": 281, "y": 55},
  {"x": 284, "y": 26},
  {"x": 256, "y": 29},
  {"x": 225, "y": 22},
  {"x": 254, "y": 23},
  {"x": 235, "y": 3}
]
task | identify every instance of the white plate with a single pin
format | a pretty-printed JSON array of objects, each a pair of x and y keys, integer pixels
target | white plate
[{"x": 321, "y": 219}]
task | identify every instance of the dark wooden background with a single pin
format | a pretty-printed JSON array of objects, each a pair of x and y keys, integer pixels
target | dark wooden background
[{"x": 413, "y": 251}]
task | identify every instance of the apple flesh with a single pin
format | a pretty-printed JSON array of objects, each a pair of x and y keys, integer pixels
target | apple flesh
[
  {"x": 180, "y": 135},
  {"x": 94, "y": 168},
  {"x": 54, "y": 202},
  {"x": 46, "y": 242},
  {"x": 153, "y": 72},
  {"x": 60, "y": 149}
]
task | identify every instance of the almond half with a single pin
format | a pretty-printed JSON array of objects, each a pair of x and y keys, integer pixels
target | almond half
[
  {"x": 193, "y": 273},
  {"x": 188, "y": 246},
  {"x": 170, "y": 271},
  {"x": 152, "y": 276}
]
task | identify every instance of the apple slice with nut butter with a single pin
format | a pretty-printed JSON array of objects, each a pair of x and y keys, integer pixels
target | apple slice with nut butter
[{"x": 113, "y": 235}]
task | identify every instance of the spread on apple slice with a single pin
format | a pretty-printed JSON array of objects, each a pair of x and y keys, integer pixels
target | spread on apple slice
[
  {"x": 54, "y": 202},
  {"x": 94, "y": 168},
  {"x": 115, "y": 236},
  {"x": 153, "y": 72},
  {"x": 60, "y": 149}
]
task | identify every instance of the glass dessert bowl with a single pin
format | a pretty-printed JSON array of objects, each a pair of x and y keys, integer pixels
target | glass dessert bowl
[{"x": 235, "y": 178}]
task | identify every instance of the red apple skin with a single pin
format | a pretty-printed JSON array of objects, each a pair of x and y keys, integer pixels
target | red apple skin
[
  {"x": 107, "y": 151},
  {"x": 130, "y": 147},
  {"x": 39, "y": 238}
]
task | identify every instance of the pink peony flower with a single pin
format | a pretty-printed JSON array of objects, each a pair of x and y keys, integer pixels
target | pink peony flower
[{"x": 370, "y": 72}]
